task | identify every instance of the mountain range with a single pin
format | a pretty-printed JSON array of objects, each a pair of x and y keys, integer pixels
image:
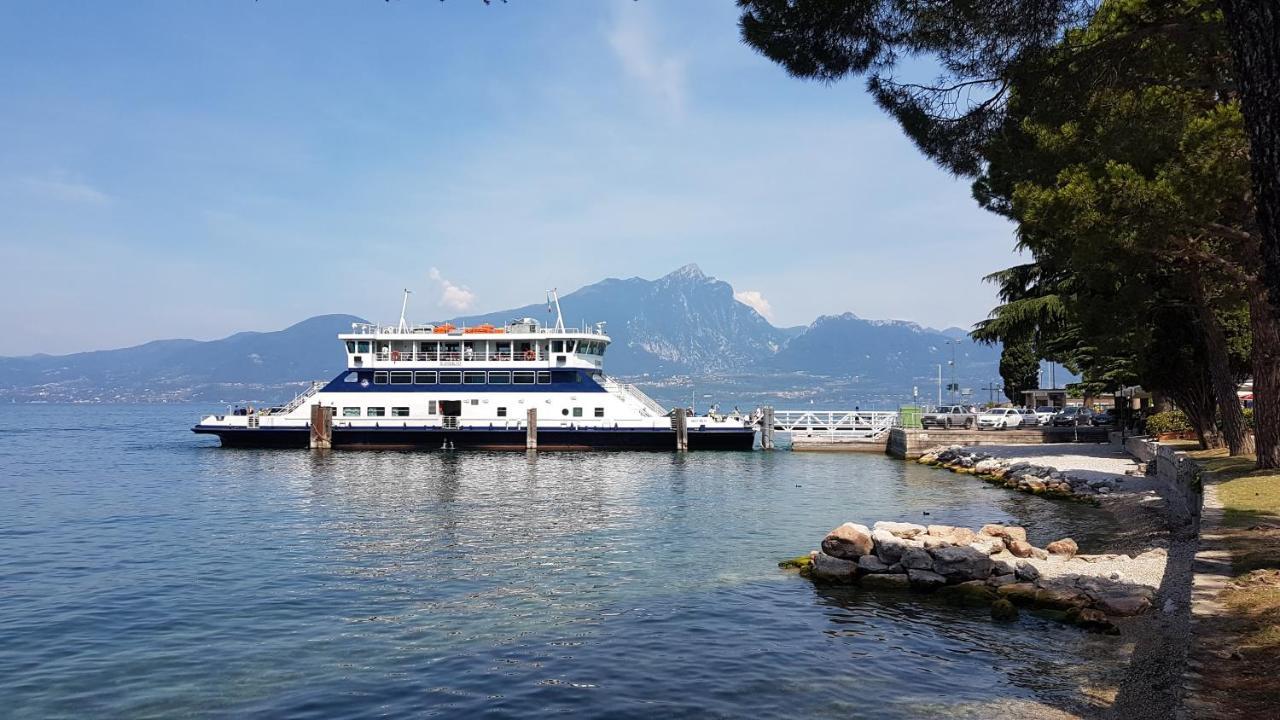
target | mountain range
[{"x": 680, "y": 332}]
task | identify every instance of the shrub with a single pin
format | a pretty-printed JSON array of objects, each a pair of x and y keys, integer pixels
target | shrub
[
  {"x": 1248, "y": 418},
  {"x": 1167, "y": 422}
]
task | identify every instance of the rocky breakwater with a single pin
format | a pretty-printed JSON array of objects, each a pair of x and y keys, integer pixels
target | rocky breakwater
[
  {"x": 1020, "y": 474},
  {"x": 995, "y": 565}
]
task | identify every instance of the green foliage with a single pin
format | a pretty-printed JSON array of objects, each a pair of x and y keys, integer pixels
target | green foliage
[
  {"x": 1172, "y": 421},
  {"x": 1019, "y": 368}
]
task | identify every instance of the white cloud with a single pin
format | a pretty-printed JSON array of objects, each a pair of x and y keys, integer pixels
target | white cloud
[
  {"x": 67, "y": 190},
  {"x": 655, "y": 69},
  {"x": 755, "y": 299},
  {"x": 454, "y": 297}
]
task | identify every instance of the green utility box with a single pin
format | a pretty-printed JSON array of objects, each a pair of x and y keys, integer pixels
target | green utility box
[{"x": 909, "y": 416}]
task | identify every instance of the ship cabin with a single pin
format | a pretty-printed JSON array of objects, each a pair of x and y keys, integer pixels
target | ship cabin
[{"x": 521, "y": 344}]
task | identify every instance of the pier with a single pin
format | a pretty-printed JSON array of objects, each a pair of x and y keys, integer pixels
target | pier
[{"x": 881, "y": 431}]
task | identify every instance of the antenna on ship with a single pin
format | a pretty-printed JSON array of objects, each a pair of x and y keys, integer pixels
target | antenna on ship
[
  {"x": 554, "y": 299},
  {"x": 404, "y": 326}
]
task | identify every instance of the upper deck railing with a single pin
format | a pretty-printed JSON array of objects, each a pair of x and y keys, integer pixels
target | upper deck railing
[{"x": 463, "y": 330}]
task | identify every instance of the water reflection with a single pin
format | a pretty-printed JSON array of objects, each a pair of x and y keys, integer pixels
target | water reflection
[{"x": 410, "y": 583}]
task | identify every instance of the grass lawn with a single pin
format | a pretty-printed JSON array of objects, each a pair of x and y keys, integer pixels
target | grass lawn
[{"x": 1249, "y": 673}]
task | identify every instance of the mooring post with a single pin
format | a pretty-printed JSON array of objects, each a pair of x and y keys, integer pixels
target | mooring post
[
  {"x": 321, "y": 427},
  {"x": 681, "y": 425},
  {"x": 766, "y": 428},
  {"x": 531, "y": 430}
]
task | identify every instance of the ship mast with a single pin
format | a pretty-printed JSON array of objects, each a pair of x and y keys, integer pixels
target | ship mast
[
  {"x": 404, "y": 326},
  {"x": 554, "y": 299}
]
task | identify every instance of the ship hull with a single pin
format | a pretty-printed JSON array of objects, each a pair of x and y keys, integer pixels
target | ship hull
[{"x": 436, "y": 438}]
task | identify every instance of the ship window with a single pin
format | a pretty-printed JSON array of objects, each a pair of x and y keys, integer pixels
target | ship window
[
  {"x": 450, "y": 377},
  {"x": 475, "y": 401},
  {"x": 599, "y": 412},
  {"x": 502, "y": 412},
  {"x": 351, "y": 346},
  {"x": 351, "y": 377},
  {"x": 350, "y": 412},
  {"x": 399, "y": 412},
  {"x": 401, "y": 377},
  {"x": 565, "y": 376},
  {"x": 523, "y": 377},
  {"x": 557, "y": 346},
  {"x": 544, "y": 377},
  {"x": 577, "y": 412},
  {"x": 380, "y": 377},
  {"x": 500, "y": 377},
  {"x": 431, "y": 407},
  {"x": 564, "y": 411},
  {"x": 363, "y": 346},
  {"x": 424, "y": 377},
  {"x": 375, "y": 412},
  {"x": 569, "y": 345},
  {"x": 473, "y": 377}
]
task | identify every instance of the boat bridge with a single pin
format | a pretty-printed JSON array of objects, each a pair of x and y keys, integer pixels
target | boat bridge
[{"x": 832, "y": 427}]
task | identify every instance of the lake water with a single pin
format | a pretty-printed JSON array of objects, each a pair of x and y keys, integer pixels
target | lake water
[{"x": 144, "y": 571}]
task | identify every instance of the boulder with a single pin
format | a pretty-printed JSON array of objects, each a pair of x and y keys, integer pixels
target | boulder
[
  {"x": 1003, "y": 610},
  {"x": 1020, "y": 548},
  {"x": 1026, "y": 571},
  {"x": 1036, "y": 485},
  {"x": 1065, "y": 546},
  {"x": 987, "y": 544},
  {"x": 917, "y": 559},
  {"x": 953, "y": 536},
  {"x": 901, "y": 529},
  {"x": 1002, "y": 580},
  {"x": 940, "y": 530},
  {"x": 989, "y": 465},
  {"x": 1002, "y": 567},
  {"x": 1123, "y": 604},
  {"x": 1039, "y": 554},
  {"x": 889, "y": 547},
  {"x": 885, "y": 580},
  {"x": 961, "y": 563},
  {"x": 850, "y": 541},
  {"x": 1061, "y": 598},
  {"x": 826, "y": 567},
  {"x": 974, "y": 593},
  {"x": 872, "y": 564},
  {"x": 925, "y": 579},
  {"x": 1012, "y": 532},
  {"x": 1023, "y": 593}
]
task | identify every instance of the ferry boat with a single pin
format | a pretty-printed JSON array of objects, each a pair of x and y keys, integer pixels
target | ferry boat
[{"x": 444, "y": 387}]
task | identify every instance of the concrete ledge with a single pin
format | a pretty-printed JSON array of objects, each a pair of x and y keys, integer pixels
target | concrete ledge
[{"x": 911, "y": 443}]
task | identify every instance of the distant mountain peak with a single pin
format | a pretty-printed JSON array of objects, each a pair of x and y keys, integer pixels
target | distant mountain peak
[{"x": 687, "y": 272}]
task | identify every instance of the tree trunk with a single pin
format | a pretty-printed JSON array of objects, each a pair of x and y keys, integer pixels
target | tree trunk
[
  {"x": 1253, "y": 27},
  {"x": 1266, "y": 378},
  {"x": 1234, "y": 429},
  {"x": 1197, "y": 403}
]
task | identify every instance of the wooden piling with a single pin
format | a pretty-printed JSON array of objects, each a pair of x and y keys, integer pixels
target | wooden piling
[
  {"x": 321, "y": 427},
  {"x": 531, "y": 430},
  {"x": 680, "y": 424},
  {"x": 766, "y": 428}
]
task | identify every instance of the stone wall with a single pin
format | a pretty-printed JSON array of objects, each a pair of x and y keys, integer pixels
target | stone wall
[{"x": 1180, "y": 486}]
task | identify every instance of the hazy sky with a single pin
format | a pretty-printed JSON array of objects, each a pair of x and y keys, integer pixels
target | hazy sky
[{"x": 191, "y": 169}]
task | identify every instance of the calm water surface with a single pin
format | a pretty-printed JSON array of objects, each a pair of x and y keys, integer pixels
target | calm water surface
[{"x": 146, "y": 572}]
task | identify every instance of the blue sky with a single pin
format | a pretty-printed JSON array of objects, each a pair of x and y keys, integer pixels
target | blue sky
[{"x": 192, "y": 169}]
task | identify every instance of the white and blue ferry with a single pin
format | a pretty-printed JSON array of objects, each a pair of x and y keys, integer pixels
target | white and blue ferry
[{"x": 446, "y": 387}]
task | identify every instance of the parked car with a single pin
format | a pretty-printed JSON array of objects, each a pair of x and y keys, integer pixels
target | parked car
[
  {"x": 1072, "y": 416},
  {"x": 1029, "y": 418},
  {"x": 1044, "y": 415},
  {"x": 949, "y": 416},
  {"x": 999, "y": 419},
  {"x": 1106, "y": 417}
]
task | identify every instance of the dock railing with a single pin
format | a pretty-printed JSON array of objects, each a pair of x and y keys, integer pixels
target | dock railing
[{"x": 845, "y": 424}]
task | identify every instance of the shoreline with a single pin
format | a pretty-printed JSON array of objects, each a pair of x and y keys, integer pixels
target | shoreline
[{"x": 1155, "y": 550}]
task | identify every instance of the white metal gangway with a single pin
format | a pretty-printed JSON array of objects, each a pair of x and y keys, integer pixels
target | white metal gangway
[{"x": 836, "y": 424}]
